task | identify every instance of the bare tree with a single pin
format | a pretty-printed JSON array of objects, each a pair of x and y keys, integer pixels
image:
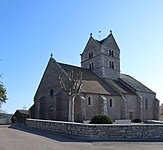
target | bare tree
[{"x": 72, "y": 88}]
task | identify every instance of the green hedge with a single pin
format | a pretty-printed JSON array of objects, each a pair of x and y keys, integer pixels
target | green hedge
[{"x": 101, "y": 119}]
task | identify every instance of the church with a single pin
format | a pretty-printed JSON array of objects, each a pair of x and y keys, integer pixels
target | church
[{"x": 104, "y": 89}]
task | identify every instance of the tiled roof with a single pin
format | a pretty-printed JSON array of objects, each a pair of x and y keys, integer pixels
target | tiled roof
[
  {"x": 120, "y": 87},
  {"x": 91, "y": 83},
  {"x": 93, "y": 87},
  {"x": 101, "y": 42},
  {"x": 21, "y": 113},
  {"x": 133, "y": 83},
  {"x": 110, "y": 38}
]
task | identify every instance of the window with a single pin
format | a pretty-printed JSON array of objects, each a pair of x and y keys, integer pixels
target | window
[
  {"x": 50, "y": 108},
  {"x": 146, "y": 103},
  {"x": 89, "y": 101},
  {"x": 111, "y": 53},
  {"x": 91, "y": 66},
  {"x": 111, "y": 64},
  {"x": 90, "y": 55},
  {"x": 111, "y": 103},
  {"x": 51, "y": 93}
]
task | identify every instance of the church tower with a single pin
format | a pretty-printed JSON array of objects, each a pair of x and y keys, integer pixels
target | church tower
[{"x": 102, "y": 57}]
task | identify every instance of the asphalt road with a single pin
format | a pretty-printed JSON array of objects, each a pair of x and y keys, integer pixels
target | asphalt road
[{"x": 18, "y": 139}]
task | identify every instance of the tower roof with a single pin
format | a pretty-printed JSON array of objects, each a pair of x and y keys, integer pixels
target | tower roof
[{"x": 110, "y": 38}]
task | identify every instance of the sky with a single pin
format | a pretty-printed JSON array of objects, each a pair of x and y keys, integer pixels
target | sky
[{"x": 30, "y": 30}]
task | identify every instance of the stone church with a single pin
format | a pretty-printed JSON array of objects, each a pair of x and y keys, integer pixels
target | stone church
[{"x": 104, "y": 89}]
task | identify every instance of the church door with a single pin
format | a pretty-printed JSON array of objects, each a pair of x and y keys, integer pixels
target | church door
[
  {"x": 51, "y": 113},
  {"x": 130, "y": 115},
  {"x": 42, "y": 110}
]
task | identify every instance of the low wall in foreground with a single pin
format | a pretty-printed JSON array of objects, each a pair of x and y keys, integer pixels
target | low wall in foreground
[{"x": 102, "y": 131}]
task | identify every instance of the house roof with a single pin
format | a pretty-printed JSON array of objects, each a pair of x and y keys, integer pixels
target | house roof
[
  {"x": 134, "y": 84},
  {"x": 22, "y": 113},
  {"x": 91, "y": 83},
  {"x": 26, "y": 112}
]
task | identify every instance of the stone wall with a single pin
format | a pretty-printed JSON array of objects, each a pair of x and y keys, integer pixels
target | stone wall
[
  {"x": 101, "y": 132},
  {"x": 150, "y": 106},
  {"x": 42, "y": 99}
]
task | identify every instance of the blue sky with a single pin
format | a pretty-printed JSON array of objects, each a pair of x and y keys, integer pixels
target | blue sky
[{"x": 30, "y": 30}]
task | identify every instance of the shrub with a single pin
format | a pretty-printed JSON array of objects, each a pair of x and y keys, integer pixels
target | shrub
[
  {"x": 137, "y": 121},
  {"x": 101, "y": 119}
]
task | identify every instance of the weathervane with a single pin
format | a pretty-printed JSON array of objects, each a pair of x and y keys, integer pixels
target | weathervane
[{"x": 99, "y": 34}]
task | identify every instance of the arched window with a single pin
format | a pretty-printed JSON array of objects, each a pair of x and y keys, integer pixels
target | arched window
[
  {"x": 112, "y": 53},
  {"x": 112, "y": 64},
  {"x": 91, "y": 66},
  {"x": 51, "y": 93},
  {"x": 146, "y": 103},
  {"x": 89, "y": 101},
  {"x": 89, "y": 55},
  {"x": 92, "y": 54},
  {"x": 111, "y": 103}
]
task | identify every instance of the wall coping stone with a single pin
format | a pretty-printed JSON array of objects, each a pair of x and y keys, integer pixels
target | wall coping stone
[
  {"x": 126, "y": 132},
  {"x": 84, "y": 124}
]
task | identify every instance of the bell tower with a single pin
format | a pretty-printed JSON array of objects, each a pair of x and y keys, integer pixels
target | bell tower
[{"x": 102, "y": 57}]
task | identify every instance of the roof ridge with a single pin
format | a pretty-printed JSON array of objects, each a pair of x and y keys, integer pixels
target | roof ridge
[
  {"x": 74, "y": 66},
  {"x": 68, "y": 64}
]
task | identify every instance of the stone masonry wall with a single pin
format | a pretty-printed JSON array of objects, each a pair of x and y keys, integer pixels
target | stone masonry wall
[{"x": 100, "y": 132}]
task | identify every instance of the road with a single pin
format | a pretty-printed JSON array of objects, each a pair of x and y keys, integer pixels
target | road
[{"x": 26, "y": 139}]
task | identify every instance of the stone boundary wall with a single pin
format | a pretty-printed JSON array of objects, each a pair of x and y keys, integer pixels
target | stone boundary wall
[{"x": 102, "y": 131}]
